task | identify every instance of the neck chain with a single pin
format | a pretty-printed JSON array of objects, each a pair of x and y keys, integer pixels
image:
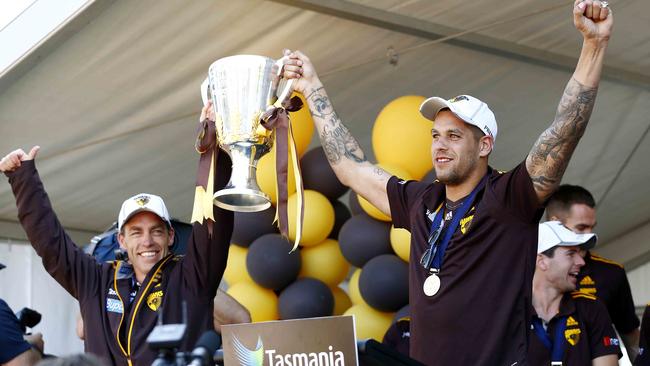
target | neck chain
[{"x": 452, "y": 207}]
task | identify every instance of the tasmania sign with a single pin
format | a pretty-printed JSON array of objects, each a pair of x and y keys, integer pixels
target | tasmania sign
[{"x": 328, "y": 341}]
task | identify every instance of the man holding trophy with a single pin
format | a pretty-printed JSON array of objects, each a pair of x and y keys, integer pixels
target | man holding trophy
[
  {"x": 121, "y": 302},
  {"x": 474, "y": 230}
]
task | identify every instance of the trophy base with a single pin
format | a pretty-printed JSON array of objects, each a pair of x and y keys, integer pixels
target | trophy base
[{"x": 241, "y": 200}]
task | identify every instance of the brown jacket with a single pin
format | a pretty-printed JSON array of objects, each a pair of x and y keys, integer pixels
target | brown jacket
[{"x": 116, "y": 329}]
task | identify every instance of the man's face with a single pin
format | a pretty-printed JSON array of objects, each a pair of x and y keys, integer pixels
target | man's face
[
  {"x": 146, "y": 239},
  {"x": 454, "y": 149},
  {"x": 562, "y": 270},
  {"x": 581, "y": 219}
]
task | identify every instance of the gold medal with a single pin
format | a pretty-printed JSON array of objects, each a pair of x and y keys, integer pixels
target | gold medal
[{"x": 431, "y": 285}]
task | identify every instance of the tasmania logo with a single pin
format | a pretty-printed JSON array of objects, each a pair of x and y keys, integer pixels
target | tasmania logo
[{"x": 609, "y": 341}]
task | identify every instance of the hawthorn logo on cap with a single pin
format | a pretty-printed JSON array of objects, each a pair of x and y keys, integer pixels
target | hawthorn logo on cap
[
  {"x": 141, "y": 200},
  {"x": 458, "y": 99}
]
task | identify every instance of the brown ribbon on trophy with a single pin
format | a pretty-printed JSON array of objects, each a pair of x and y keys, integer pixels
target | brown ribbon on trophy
[
  {"x": 206, "y": 146},
  {"x": 277, "y": 118}
]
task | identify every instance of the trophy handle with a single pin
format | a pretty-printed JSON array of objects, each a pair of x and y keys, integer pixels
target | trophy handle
[
  {"x": 204, "y": 91},
  {"x": 288, "y": 88}
]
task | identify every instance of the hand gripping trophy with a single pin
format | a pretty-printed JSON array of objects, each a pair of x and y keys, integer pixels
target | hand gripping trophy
[{"x": 250, "y": 100}]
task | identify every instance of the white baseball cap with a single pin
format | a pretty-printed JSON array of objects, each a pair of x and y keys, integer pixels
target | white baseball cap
[
  {"x": 466, "y": 107},
  {"x": 553, "y": 233},
  {"x": 142, "y": 202}
]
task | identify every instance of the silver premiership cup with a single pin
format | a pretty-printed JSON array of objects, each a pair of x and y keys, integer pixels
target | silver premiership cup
[{"x": 242, "y": 88}]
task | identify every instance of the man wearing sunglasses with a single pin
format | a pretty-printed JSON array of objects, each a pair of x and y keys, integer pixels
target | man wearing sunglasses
[{"x": 474, "y": 230}]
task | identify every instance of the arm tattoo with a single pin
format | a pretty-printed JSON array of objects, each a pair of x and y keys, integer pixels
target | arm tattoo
[
  {"x": 550, "y": 155},
  {"x": 337, "y": 141}
]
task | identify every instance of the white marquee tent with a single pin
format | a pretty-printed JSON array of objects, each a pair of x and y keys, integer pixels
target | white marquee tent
[{"x": 112, "y": 97}]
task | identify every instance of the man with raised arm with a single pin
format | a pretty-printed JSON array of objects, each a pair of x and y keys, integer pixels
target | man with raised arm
[
  {"x": 122, "y": 301},
  {"x": 473, "y": 230}
]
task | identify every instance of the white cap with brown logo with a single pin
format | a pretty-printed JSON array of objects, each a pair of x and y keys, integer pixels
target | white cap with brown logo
[
  {"x": 142, "y": 202},
  {"x": 466, "y": 107}
]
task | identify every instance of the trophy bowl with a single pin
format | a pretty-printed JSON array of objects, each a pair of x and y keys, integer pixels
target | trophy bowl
[{"x": 242, "y": 88}]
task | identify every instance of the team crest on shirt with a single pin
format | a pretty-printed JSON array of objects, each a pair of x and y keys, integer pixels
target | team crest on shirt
[
  {"x": 587, "y": 281},
  {"x": 570, "y": 322},
  {"x": 465, "y": 223},
  {"x": 154, "y": 300},
  {"x": 572, "y": 336}
]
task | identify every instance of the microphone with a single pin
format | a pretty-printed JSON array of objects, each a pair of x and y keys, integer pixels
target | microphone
[{"x": 206, "y": 346}]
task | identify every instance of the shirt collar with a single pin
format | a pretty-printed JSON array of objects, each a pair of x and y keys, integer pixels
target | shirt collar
[{"x": 433, "y": 200}]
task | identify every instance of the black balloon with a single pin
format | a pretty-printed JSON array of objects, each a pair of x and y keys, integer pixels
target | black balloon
[
  {"x": 362, "y": 238},
  {"x": 251, "y": 225},
  {"x": 383, "y": 283},
  {"x": 306, "y": 298},
  {"x": 319, "y": 176},
  {"x": 355, "y": 206},
  {"x": 270, "y": 264},
  {"x": 341, "y": 215}
]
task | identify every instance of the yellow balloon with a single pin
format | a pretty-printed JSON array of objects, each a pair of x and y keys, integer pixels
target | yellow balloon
[
  {"x": 370, "y": 323},
  {"x": 261, "y": 303},
  {"x": 302, "y": 125},
  {"x": 373, "y": 211},
  {"x": 236, "y": 266},
  {"x": 324, "y": 262},
  {"x": 400, "y": 240},
  {"x": 353, "y": 288},
  {"x": 266, "y": 176},
  {"x": 402, "y": 137},
  {"x": 342, "y": 301},
  {"x": 318, "y": 218}
]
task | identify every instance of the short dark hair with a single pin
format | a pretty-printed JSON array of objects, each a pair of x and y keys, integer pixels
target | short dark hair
[
  {"x": 477, "y": 132},
  {"x": 566, "y": 196},
  {"x": 550, "y": 252}
]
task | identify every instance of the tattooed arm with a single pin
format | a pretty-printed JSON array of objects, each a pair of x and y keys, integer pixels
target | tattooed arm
[
  {"x": 550, "y": 155},
  {"x": 342, "y": 150}
]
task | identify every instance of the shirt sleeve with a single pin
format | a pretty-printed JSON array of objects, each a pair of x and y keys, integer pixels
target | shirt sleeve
[
  {"x": 12, "y": 342},
  {"x": 644, "y": 354},
  {"x": 76, "y": 271},
  {"x": 622, "y": 309},
  {"x": 401, "y": 196},
  {"x": 514, "y": 190},
  {"x": 602, "y": 337},
  {"x": 205, "y": 259}
]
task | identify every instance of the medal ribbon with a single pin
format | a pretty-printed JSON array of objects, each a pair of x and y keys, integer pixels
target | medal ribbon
[
  {"x": 436, "y": 257},
  {"x": 206, "y": 146},
  {"x": 555, "y": 345},
  {"x": 278, "y": 119}
]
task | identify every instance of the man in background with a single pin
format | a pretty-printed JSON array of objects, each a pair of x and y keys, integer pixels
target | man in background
[{"x": 603, "y": 278}]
